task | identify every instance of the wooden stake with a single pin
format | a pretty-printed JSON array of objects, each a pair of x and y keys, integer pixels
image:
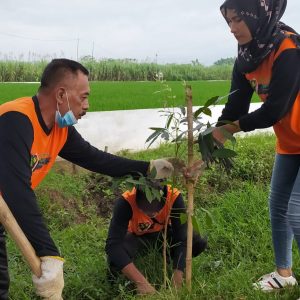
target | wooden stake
[
  {"x": 190, "y": 187},
  {"x": 10, "y": 224}
]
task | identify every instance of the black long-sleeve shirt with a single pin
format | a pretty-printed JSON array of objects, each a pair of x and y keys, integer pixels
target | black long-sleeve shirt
[
  {"x": 283, "y": 89},
  {"x": 16, "y": 138},
  {"x": 118, "y": 229}
]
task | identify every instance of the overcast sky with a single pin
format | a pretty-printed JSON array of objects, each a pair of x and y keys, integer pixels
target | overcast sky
[{"x": 148, "y": 30}]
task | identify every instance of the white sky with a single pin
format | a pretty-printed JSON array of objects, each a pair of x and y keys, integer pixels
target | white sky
[{"x": 148, "y": 30}]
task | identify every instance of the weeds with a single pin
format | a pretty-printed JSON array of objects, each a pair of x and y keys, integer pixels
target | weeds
[{"x": 240, "y": 247}]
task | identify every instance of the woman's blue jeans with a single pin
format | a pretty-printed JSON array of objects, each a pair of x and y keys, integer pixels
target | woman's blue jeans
[{"x": 285, "y": 207}]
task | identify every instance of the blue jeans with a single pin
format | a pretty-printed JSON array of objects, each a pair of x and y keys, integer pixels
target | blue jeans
[{"x": 285, "y": 207}]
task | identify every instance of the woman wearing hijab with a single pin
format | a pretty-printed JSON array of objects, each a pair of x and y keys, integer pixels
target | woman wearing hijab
[{"x": 268, "y": 63}]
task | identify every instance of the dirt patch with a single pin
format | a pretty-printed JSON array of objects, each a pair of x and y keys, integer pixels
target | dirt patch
[{"x": 99, "y": 191}]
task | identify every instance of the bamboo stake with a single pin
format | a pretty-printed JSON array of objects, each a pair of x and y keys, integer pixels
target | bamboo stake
[{"x": 190, "y": 187}]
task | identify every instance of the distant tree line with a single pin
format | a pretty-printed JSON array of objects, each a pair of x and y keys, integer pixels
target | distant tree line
[{"x": 123, "y": 70}]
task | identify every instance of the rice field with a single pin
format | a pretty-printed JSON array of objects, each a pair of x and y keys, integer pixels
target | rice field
[{"x": 126, "y": 95}]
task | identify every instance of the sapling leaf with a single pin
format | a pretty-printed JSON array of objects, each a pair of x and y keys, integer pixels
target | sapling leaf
[
  {"x": 152, "y": 173},
  {"x": 202, "y": 109},
  {"x": 148, "y": 194},
  {"x": 179, "y": 137},
  {"x": 134, "y": 181},
  {"x": 224, "y": 153},
  {"x": 207, "y": 111},
  {"x": 228, "y": 135},
  {"x": 165, "y": 136},
  {"x": 153, "y": 135},
  {"x": 183, "y": 110},
  {"x": 208, "y": 130},
  {"x": 183, "y": 120},
  {"x": 157, "y": 128},
  {"x": 212, "y": 101},
  {"x": 169, "y": 120}
]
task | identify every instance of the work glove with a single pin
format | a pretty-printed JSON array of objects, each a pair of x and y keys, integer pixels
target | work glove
[
  {"x": 50, "y": 285},
  {"x": 163, "y": 168}
]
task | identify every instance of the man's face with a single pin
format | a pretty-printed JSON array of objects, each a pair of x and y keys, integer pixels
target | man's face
[{"x": 77, "y": 93}]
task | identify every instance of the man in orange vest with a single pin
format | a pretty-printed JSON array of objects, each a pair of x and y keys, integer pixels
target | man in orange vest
[
  {"x": 138, "y": 223},
  {"x": 33, "y": 132}
]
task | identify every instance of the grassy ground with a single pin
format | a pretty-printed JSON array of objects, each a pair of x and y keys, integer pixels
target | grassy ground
[
  {"x": 120, "y": 95},
  {"x": 240, "y": 248}
]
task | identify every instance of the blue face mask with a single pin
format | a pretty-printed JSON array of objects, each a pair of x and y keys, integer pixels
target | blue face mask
[{"x": 68, "y": 119}]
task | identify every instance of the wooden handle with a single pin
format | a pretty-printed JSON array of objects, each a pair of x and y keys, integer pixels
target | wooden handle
[{"x": 10, "y": 224}]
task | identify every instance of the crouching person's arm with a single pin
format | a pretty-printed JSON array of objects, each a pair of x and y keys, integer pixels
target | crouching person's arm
[
  {"x": 142, "y": 285},
  {"x": 50, "y": 285},
  {"x": 120, "y": 260}
]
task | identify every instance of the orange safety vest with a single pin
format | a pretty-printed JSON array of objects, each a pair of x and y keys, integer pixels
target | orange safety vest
[
  {"x": 287, "y": 129},
  {"x": 140, "y": 223},
  {"x": 45, "y": 148}
]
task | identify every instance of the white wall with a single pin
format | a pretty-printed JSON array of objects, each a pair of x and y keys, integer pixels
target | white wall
[{"x": 129, "y": 129}]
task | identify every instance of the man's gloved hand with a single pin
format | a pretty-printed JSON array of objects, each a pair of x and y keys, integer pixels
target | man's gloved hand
[
  {"x": 50, "y": 285},
  {"x": 164, "y": 169}
]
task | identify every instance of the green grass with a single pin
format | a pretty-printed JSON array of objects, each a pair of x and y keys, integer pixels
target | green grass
[
  {"x": 240, "y": 247},
  {"x": 120, "y": 95}
]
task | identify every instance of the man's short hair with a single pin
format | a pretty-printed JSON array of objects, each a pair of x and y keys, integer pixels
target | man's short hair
[{"x": 57, "y": 69}]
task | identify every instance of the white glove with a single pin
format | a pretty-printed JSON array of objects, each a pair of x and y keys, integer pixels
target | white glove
[
  {"x": 51, "y": 283},
  {"x": 164, "y": 169}
]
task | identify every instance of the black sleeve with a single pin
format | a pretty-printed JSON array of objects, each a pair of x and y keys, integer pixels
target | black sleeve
[
  {"x": 179, "y": 234},
  {"x": 283, "y": 89},
  {"x": 80, "y": 152},
  {"x": 16, "y": 137},
  {"x": 239, "y": 99},
  {"x": 114, "y": 249}
]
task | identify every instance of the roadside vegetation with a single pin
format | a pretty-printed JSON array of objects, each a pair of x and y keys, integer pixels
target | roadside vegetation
[
  {"x": 77, "y": 206},
  {"x": 121, "y": 70}
]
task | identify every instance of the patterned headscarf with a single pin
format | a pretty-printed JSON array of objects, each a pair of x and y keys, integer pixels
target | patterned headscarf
[{"x": 262, "y": 18}]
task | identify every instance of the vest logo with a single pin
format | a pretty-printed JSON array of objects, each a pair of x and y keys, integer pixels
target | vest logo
[
  {"x": 37, "y": 161},
  {"x": 260, "y": 89},
  {"x": 145, "y": 226}
]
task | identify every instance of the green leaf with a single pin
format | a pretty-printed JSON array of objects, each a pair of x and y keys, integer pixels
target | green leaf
[
  {"x": 208, "y": 130},
  {"x": 212, "y": 101},
  {"x": 165, "y": 136},
  {"x": 204, "y": 110},
  {"x": 228, "y": 135},
  {"x": 183, "y": 218},
  {"x": 154, "y": 137},
  {"x": 153, "y": 173},
  {"x": 148, "y": 193},
  {"x": 208, "y": 217},
  {"x": 169, "y": 120},
  {"x": 133, "y": 181},
  {"x": 182, "y": 109},
  {"x": 157, "y": 128},
  {"x": 224, "y": 153},
  {"x": 195, "y": 224}
]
